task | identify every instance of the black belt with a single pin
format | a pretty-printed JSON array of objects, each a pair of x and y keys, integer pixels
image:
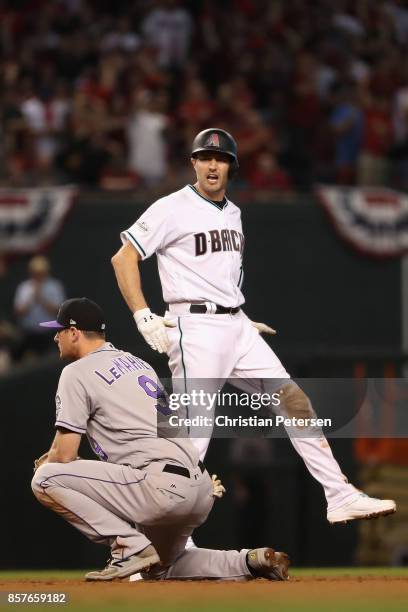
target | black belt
[
  {"x": 180, "y": 470},
  {"x": 202, "y": 309}
]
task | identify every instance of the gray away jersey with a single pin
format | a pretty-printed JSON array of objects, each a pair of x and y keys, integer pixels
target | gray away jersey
[{"x": 111, "y": 396}]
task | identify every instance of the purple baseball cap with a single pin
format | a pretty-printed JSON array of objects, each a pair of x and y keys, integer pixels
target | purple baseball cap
[{"x": 80, "y": 313}]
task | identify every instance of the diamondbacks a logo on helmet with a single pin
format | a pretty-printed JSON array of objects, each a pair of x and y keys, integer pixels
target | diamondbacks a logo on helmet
[{"x": 213, "y": 141}]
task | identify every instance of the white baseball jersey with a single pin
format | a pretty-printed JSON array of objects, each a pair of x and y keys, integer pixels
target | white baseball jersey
[
  {"x": 113, "y": 397},
  {"x": 199, "y": 246}
]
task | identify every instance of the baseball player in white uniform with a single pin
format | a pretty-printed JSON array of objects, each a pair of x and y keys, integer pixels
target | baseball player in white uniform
[
  {"x": 197, "y": 235},
  {"x": 147, "y": 493}
]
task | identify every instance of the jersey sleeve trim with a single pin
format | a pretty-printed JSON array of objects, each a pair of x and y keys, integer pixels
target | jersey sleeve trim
[
  {"x": 70, "y": 426},
  {"x": 135, "y": 243}
]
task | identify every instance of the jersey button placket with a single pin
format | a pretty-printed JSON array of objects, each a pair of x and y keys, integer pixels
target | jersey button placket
[{"x": 231, "y": 256}]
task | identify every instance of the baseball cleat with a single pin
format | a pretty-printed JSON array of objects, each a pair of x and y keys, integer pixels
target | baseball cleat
[
  {"x": 115, "y": 569},
  {"x": 138, "y": 576},
  {"x": 362, "y": 507},
  {"x": 266, "y": 563}
]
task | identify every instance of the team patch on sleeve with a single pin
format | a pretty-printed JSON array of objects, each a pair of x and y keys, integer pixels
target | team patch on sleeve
[{"x": 142, "y": 225}]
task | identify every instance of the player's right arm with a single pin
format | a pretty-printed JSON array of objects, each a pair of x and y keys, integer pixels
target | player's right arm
[
  {"x": 144, "y": 238},
  {"x": 64, "y": 448},
  {"x": 126, "y": 265},
  {"x": 72, "y": 411}
]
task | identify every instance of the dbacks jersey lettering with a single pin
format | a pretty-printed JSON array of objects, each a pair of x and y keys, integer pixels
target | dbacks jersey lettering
[{"x": 199, "y": 246}]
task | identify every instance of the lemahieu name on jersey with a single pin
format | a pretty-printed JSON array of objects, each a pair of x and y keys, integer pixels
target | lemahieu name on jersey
[{"x": 121, "y": 365}]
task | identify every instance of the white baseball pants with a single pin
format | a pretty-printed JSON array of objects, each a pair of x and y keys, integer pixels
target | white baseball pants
[{"x": 226, "y": 347}]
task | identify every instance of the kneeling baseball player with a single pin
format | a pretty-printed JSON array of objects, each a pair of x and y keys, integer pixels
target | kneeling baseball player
[{"x": 147, "y": 494}]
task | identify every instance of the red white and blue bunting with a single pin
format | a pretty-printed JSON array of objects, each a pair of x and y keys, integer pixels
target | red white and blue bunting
[
  {"x": 30, "y": 219},
  {"x": 373, "y": 220}
]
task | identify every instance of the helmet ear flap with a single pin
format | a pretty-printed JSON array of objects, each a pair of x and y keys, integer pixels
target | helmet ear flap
[{"x": 233, "y": 170}]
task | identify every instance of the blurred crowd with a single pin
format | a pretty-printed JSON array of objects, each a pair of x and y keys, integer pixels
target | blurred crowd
[
  {"x": 37, "y": 299},
  {"x": 109, "y": 94}
]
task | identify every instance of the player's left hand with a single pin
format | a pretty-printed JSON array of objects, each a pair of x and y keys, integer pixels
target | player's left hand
[
  {"x": 218, "y": 488},
  {"x": 263, "y": 328}
]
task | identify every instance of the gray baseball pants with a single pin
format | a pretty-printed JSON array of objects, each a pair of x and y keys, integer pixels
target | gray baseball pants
[{"x": 128, "y": 509}]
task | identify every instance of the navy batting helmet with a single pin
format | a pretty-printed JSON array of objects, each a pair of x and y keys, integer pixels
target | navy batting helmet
[{"x": 215, "y": 139}]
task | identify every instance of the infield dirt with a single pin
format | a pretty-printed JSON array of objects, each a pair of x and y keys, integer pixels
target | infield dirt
[{"x": 306, "y": 593}]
